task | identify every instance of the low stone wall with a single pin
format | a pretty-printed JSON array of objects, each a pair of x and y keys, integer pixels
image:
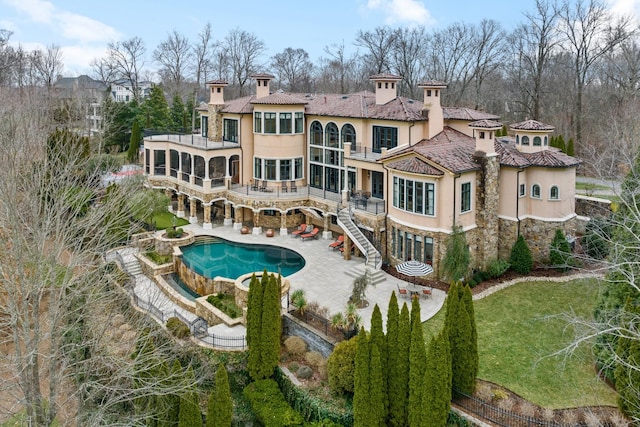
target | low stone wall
[
  {"x": 150, "y": 269},
  {"x": 173, "y": 295},
  {"x": 214, "y": 316},
  {"x": 592, "y": 206},
  {"x": 315, "y": 339},
  {"x": 164, "y": 246}
]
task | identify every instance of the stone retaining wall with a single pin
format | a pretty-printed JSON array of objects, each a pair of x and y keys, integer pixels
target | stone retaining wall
[
  {"x": 316, "y": 340},
  {"x": 213, "y": 315}
]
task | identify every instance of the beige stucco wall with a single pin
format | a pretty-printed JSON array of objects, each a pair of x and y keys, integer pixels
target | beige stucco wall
[{"x": 460, "y": 126}]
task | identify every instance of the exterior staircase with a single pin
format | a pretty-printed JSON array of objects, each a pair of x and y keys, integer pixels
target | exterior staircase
[{"x": 372, "y": 256}]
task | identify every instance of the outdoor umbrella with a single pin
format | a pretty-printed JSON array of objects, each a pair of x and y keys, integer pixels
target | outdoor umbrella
[{"x": 414, "y": 268}]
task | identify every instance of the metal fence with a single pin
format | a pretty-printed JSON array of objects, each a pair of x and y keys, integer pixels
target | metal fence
[{"x": 498, "y": 416}]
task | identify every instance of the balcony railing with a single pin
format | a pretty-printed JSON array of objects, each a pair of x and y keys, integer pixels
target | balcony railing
[
  {"x": 190, "y": 139},
  {"x": 361, "y": 152}
]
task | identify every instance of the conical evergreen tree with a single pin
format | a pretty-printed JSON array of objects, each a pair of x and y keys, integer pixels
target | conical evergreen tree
[
  {"x": 190, "y": 414},
  {"x": 474, "y": 358},
  {"x": 220, "y": 405},
  {"x": 254, "y": 325},
  {"x": 437, "y": 396},
  {"x": 400, "y": 417},
  {"x": 173, "y": 400},
  {"x": 254, "y": 307},
  {"x": 463, "y": 378},
  {"x": 377, "y": 337},
  {"x": 394, "y": 387},
  {"x": 417, "y": 367},
  {"x": 134, "y": 143},
  {"x": 178, "y": 114},
  {"x": 560, "y": 251},
  {"x": 521, "y": 259},
  {"x": 376, "y": 388},
  {"x": 561, "y": 144},
  {"x": 627, "y": 371},
  {"x": 271, "y": 328},
  {"x": 361, "y": 407},
  {"x": 571, "y": 150}
]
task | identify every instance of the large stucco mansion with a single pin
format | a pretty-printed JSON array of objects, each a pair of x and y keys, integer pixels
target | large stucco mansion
[{"x": 392, "y": 174}]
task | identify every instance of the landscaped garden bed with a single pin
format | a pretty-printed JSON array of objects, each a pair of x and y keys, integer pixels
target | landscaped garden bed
[{"x": 225, "y": 303}]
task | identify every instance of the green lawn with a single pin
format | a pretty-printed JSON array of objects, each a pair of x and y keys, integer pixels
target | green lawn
[
  {"x": 588, "y": 186},
  {"x": 163, "y": 220},
  {"x": 519, "y": 329}
]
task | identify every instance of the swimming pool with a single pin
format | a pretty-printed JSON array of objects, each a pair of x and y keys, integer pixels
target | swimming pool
[{"x": 219, "y": 257}]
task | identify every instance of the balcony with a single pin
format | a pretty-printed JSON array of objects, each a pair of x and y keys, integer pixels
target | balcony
[
  {"x": 192, "y": 140},
  {"x": 361, "y": 152}
]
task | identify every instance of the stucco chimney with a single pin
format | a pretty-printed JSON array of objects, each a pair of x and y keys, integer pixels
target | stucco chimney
[
  {"x": 484, "y": 132},
  {"x": 216, "y": 91},
  {"x": 386, "y": 87},
  {"x": 262, "y": 84},
  {"x": 432, "y": 106}
]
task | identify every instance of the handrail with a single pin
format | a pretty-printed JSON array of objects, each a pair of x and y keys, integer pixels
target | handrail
[{"x": 372, "y": 255}]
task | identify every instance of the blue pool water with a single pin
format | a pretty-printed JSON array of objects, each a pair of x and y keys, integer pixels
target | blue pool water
[{"x": 231, "y": 259}]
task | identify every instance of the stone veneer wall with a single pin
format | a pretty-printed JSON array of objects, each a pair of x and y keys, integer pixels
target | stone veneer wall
[
  {"x": 214, "y": 130},
  {"x": 538, "y": 234},
  {"x": 213, "y": 316},
  {"x": 592, "y": 206},
  {"x": 164, "y": 246},
  {"x": 315, "y": 339},
  {"x": 486, "y": 210},
  {"x": 201, "y": 284}
]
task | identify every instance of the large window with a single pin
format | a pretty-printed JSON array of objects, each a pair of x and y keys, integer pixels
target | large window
[
  {"x": 285, "y": 169},
  {"x": 465, "y": 195},
  {"x": 326, "y": 156},
  {"x": 285, "y": 123},
  {"x": 257, "y": 122},
  {"x": 269, "y": 122},
  {"x": 348, "y": 135},
  {"x": 315, "y": 135},
  {"x": 277, "y": 169},
  {"x": 414, "y": 196},
  {"x": 299, "y": 122},
  {"x": 230, "y": 130},
  {"x": 384, "y": 137},
  {"x": 331, "y": 135},
  {"x": 405, "y": 246}
]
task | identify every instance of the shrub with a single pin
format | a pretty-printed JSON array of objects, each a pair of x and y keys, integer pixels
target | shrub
[
  {"x": 521, "y": 260},
  {"x": 269, "y": 405},
  {"x": 157, "y": 258},
  {"x": 313, "y": 358},
  {"x": 178, "y": 328},
  {"x": 293, "y": 366},
  {"x": 295, "y": 345},
  {"x": 304, "y": 372},
  {"x": 596, "y": 238},
  {"x": 341, "y": 366},
  {"x": 226, "y": 304},
  {"x": 560, "y": 252},
  {"x": 497, "y": 267}
]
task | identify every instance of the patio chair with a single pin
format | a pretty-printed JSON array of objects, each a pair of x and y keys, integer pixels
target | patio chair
[
  {"x": 263, "y": 185},
  {"x": 311, "y": 235},
  {"x": 427, "y": 292},
  {"x": 339, "y": 242},
  {"x": 402, "y": 292},
  {"x": 294, "y": 189},
  {"x": 302, "y": 230},
  {"x": 254, "y": 185},
  {"x": 284, "y": 189}
]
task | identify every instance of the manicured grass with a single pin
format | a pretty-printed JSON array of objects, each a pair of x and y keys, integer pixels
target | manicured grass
[
  {"x": 157, "y": 258},
  {"x": 588, "y": 186},
  {"x": 519, "y": 330},
  {"x": 163, "y": 220}
]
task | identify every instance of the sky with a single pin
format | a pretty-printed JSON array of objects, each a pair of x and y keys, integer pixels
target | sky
[{"x": 83, "y": 28}]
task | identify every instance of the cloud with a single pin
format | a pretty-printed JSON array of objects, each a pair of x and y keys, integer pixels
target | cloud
[
  {"x": 77, "y": 59},
  {"x": 37, "y": 10},
  {"x": 85, "y": 29},
  {"x": 402, "y": 11},
  {"x": 624, "y": 7}
]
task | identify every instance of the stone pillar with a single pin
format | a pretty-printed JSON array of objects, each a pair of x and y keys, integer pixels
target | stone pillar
[
  {"x": 283, "y": 224},
  {"x": 326, "y": 233},
  {"x": 257, "y": 229},
  {"x": 169, "y": 194},
  {"x": 193, "y": 204},
  {"x": 227, "y": 214},
  {"x": 237, "y": 225},
  {"x": 487, "y": 209},
  {"x": 347, "y": 247},
  {"x": 206, "y": 222},
  {"x": 180, "y": 212}
]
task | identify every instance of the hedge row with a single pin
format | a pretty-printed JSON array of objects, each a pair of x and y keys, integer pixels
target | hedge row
[{"x": 269, "y": 405}]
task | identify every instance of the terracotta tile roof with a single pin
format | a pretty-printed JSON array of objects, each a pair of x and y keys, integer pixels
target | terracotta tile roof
[
  {"x": 432, "y": 83},
  {"x": 262, "y": 76},
  {"x": 462, "y": 113},
  {"x": 485, "y": 124},
  {"x": 531, "y": 125},
  {"x": 549, "y": 158},
  {"x": 385, "y": 76},
  {"x": 415, "y": 165},
  {"x": 451, "y": 149},
  {"x": 217, "y": 82},
  {"x": 280, "y": 98}
]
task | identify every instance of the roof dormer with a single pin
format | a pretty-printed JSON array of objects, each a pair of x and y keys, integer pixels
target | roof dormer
[
  {"x": 484, "y": 132},
  {"x": 532, "y": 136},
  {"x": 386, "y": 87},
  {"x": 216, "y": 91},
  {"x": 262, "y": 84},
  {"x": 432, "y": 107}
]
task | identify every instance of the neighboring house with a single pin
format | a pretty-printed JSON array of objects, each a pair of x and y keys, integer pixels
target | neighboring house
[
  {"x": 122, "y": 90},
  {"x": 83, "y": 96},
  {"x": 391, "y": 173}
]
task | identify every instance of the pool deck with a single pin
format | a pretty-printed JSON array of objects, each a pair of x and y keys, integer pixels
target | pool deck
[{"x": 325, "y": 278}]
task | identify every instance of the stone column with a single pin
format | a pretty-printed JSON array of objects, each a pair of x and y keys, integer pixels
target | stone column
[
  {"x": 257, "y": 229},
  {"x": 167, "y": 162},
  {"x": 169, "y": 194},
  {"x": 193, "y": 203},
  {"x": 283, "y": 224},
  {"x": 206, "y": 223},
  {"x": 326, "y": 233},
  {"x": 487, "y": 201},
  {"x": 347, "y": 247},
  {"x": 180, "y": 212},
  {"x": 237, "y": 225},
  {"x": 227, "y": 214}
]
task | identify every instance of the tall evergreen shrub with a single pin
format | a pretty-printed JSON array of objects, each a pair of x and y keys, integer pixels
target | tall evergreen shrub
[{"x": 521, "y": 259}]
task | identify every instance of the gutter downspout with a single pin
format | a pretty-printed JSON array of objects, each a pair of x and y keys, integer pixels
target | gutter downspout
[{"x": 455, "y": 178}]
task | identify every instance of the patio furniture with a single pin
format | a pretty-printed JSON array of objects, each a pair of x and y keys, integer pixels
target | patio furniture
[
  {"x": 341, "y": 249},
  {"x": 263, "y": 185},
  {"x": 311, "y": 235},
  {"x": 339, "y": 242},
  {"x": 254, "y": 185},
  {"x": 284, "y": 189},
  {"x": 427, "y": 292},
  {"x": 294, "y": 189},
  {"x": 304, "y": 228},
  {"x": 415, "y": 290},
  {"x": 402, "y": 292}
]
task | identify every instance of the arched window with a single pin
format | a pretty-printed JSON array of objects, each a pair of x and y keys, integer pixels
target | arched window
[
  {"x": 525, "y": 140},
  {"x": 316, "y": 134},
  {"x": 535, "y": 191},
  {"x": 517, "y": 139},
  {"x": 331, "y": 135},
  {"x": 546, "y": 141},
  {"x": 537, "y": 141},
  {"x": 554, "y": 193},
  {"x": 348, "y": 135}
]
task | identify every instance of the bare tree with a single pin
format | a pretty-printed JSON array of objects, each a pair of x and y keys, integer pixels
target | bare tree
[
  {"x": 48, "y": 63},
  {"x": 378, "y": 46},
  {"x": 175, "y": 56},
  {"x": 244, "y": 51},
  {"x": 590, "y": 32},
  {"x": 203, "y": 49},
  {"x": 293, "y": 69},
  {"x": 126, "y": 59},
  {"x": 7, "y": 58},
  {"x": 337, "y": 72},
  {"x": 409, "y": 53},
  {"x": 489, "y": 54}
]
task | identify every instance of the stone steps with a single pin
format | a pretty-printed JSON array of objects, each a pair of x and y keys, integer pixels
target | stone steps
[{"x": 377, "y": 276}]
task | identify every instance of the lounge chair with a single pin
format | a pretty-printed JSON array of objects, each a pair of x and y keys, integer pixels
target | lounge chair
[
  {"x": 339, "y": 242},
  {"x": 304, "y": 228},
  {"x": 311, "y": 235}
]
